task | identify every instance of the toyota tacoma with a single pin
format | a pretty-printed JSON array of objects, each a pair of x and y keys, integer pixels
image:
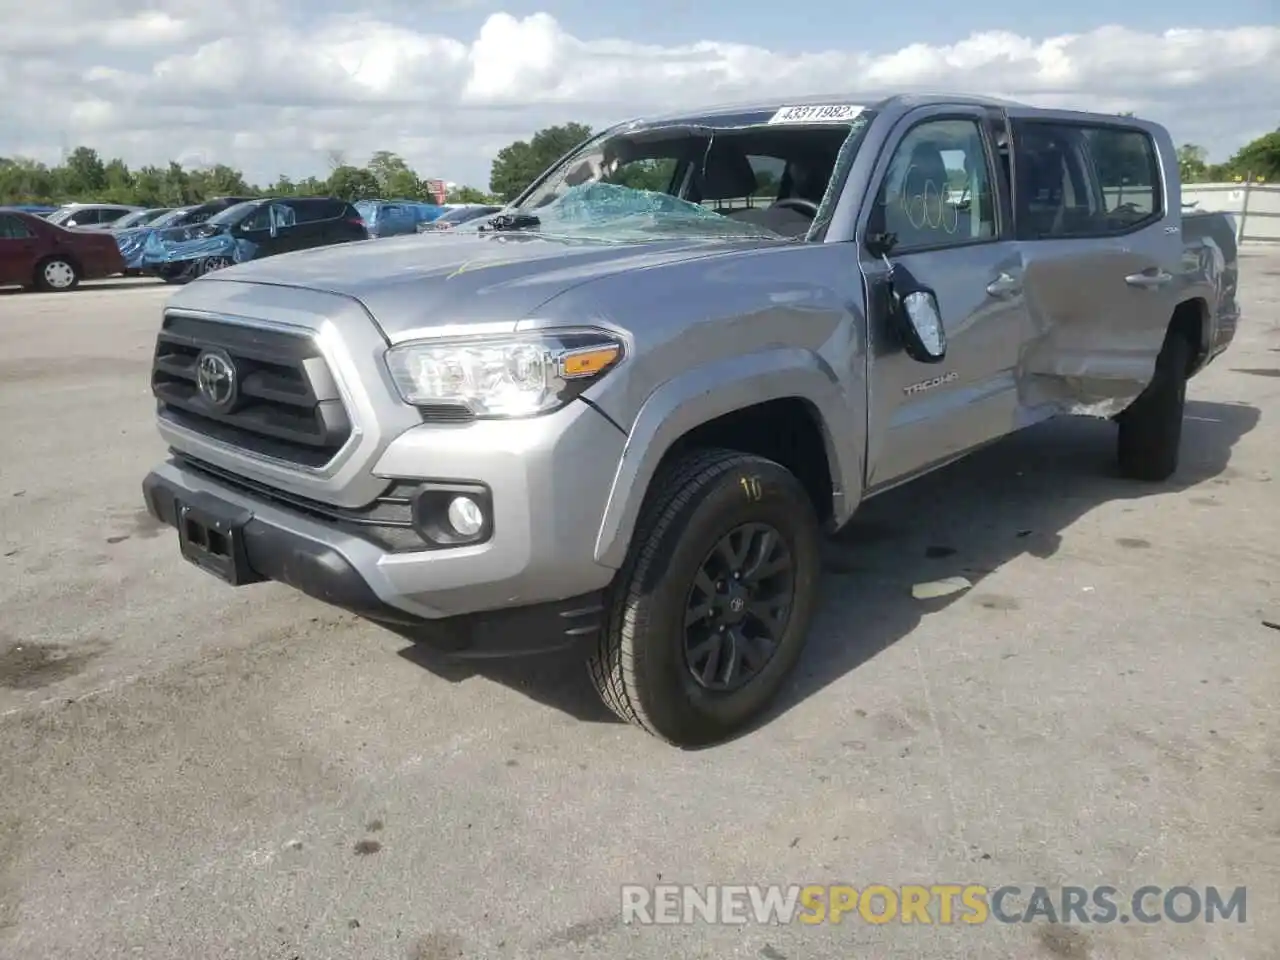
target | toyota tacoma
[{"x": 620, "y": 414}]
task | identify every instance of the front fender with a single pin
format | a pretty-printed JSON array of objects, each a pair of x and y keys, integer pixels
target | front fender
[{"x": 711, "y": 390}]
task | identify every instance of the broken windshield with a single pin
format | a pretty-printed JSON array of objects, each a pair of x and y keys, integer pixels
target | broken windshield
[{"x": 763, "y": 176}]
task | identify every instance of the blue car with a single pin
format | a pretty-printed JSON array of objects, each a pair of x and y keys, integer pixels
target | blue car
[
  {"x": 35, "y": 209},
  {"x": 393, "y": 218},
  {"x": 132, "y": 241}
]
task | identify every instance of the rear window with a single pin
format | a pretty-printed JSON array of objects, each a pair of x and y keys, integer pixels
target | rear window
[
  {"x": 12, "y": 228},
  {"x": 1128, "y": 172},
  {"x": 1084, "y": 180}
]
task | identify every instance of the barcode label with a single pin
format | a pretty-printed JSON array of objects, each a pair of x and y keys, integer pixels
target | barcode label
[{"x": 817, "y": 113}]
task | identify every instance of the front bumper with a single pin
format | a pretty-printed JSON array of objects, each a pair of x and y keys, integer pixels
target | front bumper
[
  {"x": 301, "y": 553},
  {"x": 548, "y": 481}
]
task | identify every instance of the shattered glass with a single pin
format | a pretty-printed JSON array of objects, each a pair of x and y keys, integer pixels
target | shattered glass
[{"x": 606, "y": 211}]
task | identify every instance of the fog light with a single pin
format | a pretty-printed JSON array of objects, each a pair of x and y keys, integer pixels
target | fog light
[{"x": 465, "y": 516}]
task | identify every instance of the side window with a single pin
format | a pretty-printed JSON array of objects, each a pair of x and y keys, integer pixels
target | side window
[
  {"x": 260, "y": 219},
  {"x": 768, "y": 171},
  {"x": 1128, "y": 172},
  {"x": 11, "y": 228},
  {"x": 283, "y": 215},
  {"x": 937, "y": 191},
  {"x": 1054, "y": 193},
  {"x": 303, "y": 211},
  {"x": 1079, "y": 181}
]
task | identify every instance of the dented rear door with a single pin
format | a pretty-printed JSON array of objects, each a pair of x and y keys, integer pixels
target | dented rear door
[{"x": 1101, "y": 253}]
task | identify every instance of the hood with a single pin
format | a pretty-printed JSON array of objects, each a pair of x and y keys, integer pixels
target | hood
[{"x": 450, "y": 277}]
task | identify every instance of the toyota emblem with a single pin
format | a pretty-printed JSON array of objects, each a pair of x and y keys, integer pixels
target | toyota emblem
[{"x": 216, "y": 379}]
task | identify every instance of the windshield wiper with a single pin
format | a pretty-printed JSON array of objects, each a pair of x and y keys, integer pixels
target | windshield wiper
[{"x": 511, "y": 221}]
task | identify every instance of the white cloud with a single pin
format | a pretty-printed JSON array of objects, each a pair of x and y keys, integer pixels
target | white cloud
[{"x": 263, "y": 86}]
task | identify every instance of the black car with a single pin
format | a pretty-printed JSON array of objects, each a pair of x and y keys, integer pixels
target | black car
[
  {"x": 197, "y": 213},
  {"x": 250, "y": 231}
]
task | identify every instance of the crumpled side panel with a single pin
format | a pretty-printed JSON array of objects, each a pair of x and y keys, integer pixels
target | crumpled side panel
[
  {"x": 132, "y": 244},
  {"x": 1093, "y": 341},
  {"x": 221, "y": 245}
]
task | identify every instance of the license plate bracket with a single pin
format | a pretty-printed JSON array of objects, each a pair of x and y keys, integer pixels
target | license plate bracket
[{"x": 211, "y": 535}]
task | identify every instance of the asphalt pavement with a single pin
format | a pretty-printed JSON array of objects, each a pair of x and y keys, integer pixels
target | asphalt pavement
[{"x": 190, "y": 770}]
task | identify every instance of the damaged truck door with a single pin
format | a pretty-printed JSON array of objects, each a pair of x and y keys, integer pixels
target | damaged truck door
[
  {"x": 939, "y": 244},
  {"x": 1101, "y": 245}
]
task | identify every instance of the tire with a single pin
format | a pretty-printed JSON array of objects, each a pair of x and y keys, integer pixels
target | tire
[
  {"x": 171, "y": 274},
  {"x": 56, "y": 274},
  {"x": 1150, "y": 433},
  {"x": 640, "y": 667}
]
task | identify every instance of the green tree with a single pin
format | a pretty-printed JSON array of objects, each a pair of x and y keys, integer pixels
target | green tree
[
  {"x": 396, "y": 179},
  {"x": 119, "y": 182},
  {"x": 85, "y": 172},
  {"x": 470, "y": 195},
  {"x": 1259, "y": 158},
  {"x": 175, "y": 186},
  {"x": 26, "y": 181},
  {"x": 352, "y": 184},
  {"x": 218, "y": 181},
  {"x": 1192, "y": 164},
  {"x": 149, "y": 187},
  {"x": 518, "y": 164}
]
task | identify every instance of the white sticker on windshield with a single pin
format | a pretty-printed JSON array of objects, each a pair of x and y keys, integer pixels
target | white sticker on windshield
[{"x": 817, "y": 113}]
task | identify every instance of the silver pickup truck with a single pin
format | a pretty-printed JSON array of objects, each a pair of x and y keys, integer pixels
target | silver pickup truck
[{"x": 620, "y": 414}]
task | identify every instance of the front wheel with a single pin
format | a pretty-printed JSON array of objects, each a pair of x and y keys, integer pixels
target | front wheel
[
  {"x": 711, "y": 611},
  {"x": 56, "y": 273},
  {"x": 1150, "y": 435}
]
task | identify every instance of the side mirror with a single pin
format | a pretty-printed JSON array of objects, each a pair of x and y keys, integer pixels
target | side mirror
[
  {"x": 914, "y": 314},
  {"x": 925, "y": 339}
]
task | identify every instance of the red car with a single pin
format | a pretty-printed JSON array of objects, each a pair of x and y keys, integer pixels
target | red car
[{"x": 40, "y": 255}]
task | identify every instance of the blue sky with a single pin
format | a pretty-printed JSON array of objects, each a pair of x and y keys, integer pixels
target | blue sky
[
  {"x": 284, "y": 86},
  {"x": 882, "y": 27}
]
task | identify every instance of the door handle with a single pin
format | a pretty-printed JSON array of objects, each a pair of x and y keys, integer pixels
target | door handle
[
  {"x": 1148, "y": 279},
  {"x": 1004, "y": 285}
]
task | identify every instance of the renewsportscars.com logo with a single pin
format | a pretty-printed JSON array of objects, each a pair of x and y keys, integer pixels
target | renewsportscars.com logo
[{"x": 945, "y": 903}]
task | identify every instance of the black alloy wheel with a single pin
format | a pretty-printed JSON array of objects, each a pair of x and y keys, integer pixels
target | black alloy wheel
[{"x": 738, "y": 607}]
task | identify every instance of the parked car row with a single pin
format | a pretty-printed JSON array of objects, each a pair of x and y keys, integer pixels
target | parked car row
[{"x": 48, "y": 251}]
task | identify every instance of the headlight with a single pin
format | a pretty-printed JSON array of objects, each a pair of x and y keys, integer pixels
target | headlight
[{"x": 508, "y": 376}]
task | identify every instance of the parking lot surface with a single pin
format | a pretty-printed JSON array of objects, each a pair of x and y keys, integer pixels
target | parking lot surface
[{"x": 189, "y": 770}]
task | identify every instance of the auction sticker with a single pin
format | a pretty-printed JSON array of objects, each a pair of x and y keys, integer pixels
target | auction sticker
[{"x": 817, "y": 113}]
